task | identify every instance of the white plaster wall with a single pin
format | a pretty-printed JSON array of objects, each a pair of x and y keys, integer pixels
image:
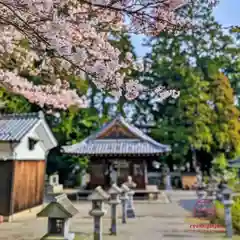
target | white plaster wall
[{"x": 22, "y": 151}]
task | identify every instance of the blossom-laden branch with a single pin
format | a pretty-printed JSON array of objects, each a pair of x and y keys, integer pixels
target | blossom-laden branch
[
  {"x": 73, "y": 36},
  {"x": 42, "y": 95}
]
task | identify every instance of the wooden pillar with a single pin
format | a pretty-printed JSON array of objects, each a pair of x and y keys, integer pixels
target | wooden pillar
[
  {"x": 145, "y": 172},
  {"x": 96, "y": 173}
]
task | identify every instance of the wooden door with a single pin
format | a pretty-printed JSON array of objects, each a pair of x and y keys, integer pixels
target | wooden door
[
  {"x": 97, "y": 175},
  {"x": 139, "y": 175},
  {"x": 123, "y": 170}
]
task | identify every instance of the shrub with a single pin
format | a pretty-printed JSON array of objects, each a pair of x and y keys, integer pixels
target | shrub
[
  {"x": 219, "y": 219},
  {"x": 237, "y": 188}
]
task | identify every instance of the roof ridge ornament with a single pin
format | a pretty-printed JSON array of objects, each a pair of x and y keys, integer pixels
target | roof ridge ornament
[{"x": 41, "y": 115}]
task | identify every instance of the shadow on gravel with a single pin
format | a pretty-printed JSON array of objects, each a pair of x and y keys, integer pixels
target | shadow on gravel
[
  {"x": 157, "y": 215},
  {"x": 188, "y": 204},
  {"x": 177, "y": 235}
]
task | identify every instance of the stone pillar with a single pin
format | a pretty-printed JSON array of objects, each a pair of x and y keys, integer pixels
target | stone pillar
[
  {"x": 124, "y": 209},
  {"x": 97, "y": 231},
  {"x": 228, "y": 219},
  {"x": 113, "y": 229},
  {"x": 124, "y": 201},
  {"x": 211, "y": 193},
  {"x": 227, "y": 202},
  {"x": 219, "y": 196},
  {"x": 199, "y": 179},
  {"x": 130, "y": 205},
  {"x": 114, "y": 192},
  {"x": 201, "y": 193},
  {"x": 168, "y": 182}
]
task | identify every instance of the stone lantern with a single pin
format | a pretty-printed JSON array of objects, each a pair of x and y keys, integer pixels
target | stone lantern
[
  {"x": 53, "y": 186},
  {"x": 130, "y": 205},
  {"x": 215, "y": 186},
  {"x": 114, "y": 193},
  {"x": 227, "y": 202},
  {"x": 130, "y": 183},
  {"x": 211, "y": 191},
  {"x": 168, "y": 181},
  {"x": 124, "y": 199},
  {"x": 201, "y": 193},
  {"x": 98, "y": 197},
  {"x": 59, "y": 212}
]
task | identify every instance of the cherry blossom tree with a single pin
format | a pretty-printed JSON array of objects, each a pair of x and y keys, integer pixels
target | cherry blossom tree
[{"x": 54, "y": 38}]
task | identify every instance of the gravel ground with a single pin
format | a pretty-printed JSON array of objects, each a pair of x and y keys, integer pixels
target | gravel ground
[{"x": 154, "y": 221}]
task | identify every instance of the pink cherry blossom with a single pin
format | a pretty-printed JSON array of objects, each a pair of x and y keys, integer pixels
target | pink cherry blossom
[
  {"x": 57, "y": 96},
  {"x": 69, "y": 37}
]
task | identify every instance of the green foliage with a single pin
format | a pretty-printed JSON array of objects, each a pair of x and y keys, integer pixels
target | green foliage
[
  {"x": 220, "y": 168},
  {"x": 72, "y": 127},
  {"x": 204, "y": 117},
  {"x": 15, "y": 103},
  {"x": 77, "y": 83},
  {"x": 226, "y": 125},
  {"x": 220, "y": 164},
  {"x": 185, "y": 120},
  {"x": 122, "y": 41},
  {"x": 235, "y": 214}
]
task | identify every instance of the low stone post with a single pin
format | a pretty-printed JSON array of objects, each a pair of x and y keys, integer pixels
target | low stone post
[
  {"x": 201, "y": 193},
  {"x": 219, "y": 195},
  {"x": 168, "y": 180},
  {"x": 211, "y": 192},
  {"x": 97, "y": 212},
  {"x": 214, "y": 193},
  {"x": 130, "y": 183},
  {"x": 130, "y": 205},
  {"x": 114, "y": 193},
  {"x": 227, "y": 202},
  {"x": 124, "y": 200}
]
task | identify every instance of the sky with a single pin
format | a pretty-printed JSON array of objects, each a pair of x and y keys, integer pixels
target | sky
[{"x": 227, "y": 13}]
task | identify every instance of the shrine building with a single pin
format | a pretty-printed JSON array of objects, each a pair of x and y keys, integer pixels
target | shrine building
[{"x": 123, "y": 146}]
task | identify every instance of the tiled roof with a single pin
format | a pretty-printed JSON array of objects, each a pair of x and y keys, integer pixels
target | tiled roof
[
  {"x": 142, "y": 144},
  {"x": 59, "y": 206},
  {"x": 13, "y": 127},
  {"x": 234, "y": 163}
]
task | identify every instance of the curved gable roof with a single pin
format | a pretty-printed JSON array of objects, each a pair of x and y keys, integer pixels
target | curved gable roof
[{"x": 139, "y": 144}]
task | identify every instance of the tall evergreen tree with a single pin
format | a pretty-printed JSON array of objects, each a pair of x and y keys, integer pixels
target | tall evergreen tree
[
  {"x": 225, "y": 126},
  {"x": 191, "y": 61}
]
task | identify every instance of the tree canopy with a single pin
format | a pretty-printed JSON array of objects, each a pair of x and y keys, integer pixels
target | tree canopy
[
  {"x": 51, "y": 39},
  {"x": 202, "y": 63}
]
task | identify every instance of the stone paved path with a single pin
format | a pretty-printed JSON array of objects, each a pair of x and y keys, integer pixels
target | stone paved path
[{"x": 154, "y": 222}]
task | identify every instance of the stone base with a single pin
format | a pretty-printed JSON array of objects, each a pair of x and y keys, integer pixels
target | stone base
[
  {"x": 71, "y": 236},
  {"x": 163, "y": 198},
  {"x": 28, "y": 213},
  {"x": 131, "y": 213},
  {"x": 55, "y": 189}
]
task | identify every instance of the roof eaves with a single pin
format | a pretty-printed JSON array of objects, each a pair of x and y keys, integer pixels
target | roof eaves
[
  {"x": 43, "y": 214},
  {"x": 51, "y": 136}
]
